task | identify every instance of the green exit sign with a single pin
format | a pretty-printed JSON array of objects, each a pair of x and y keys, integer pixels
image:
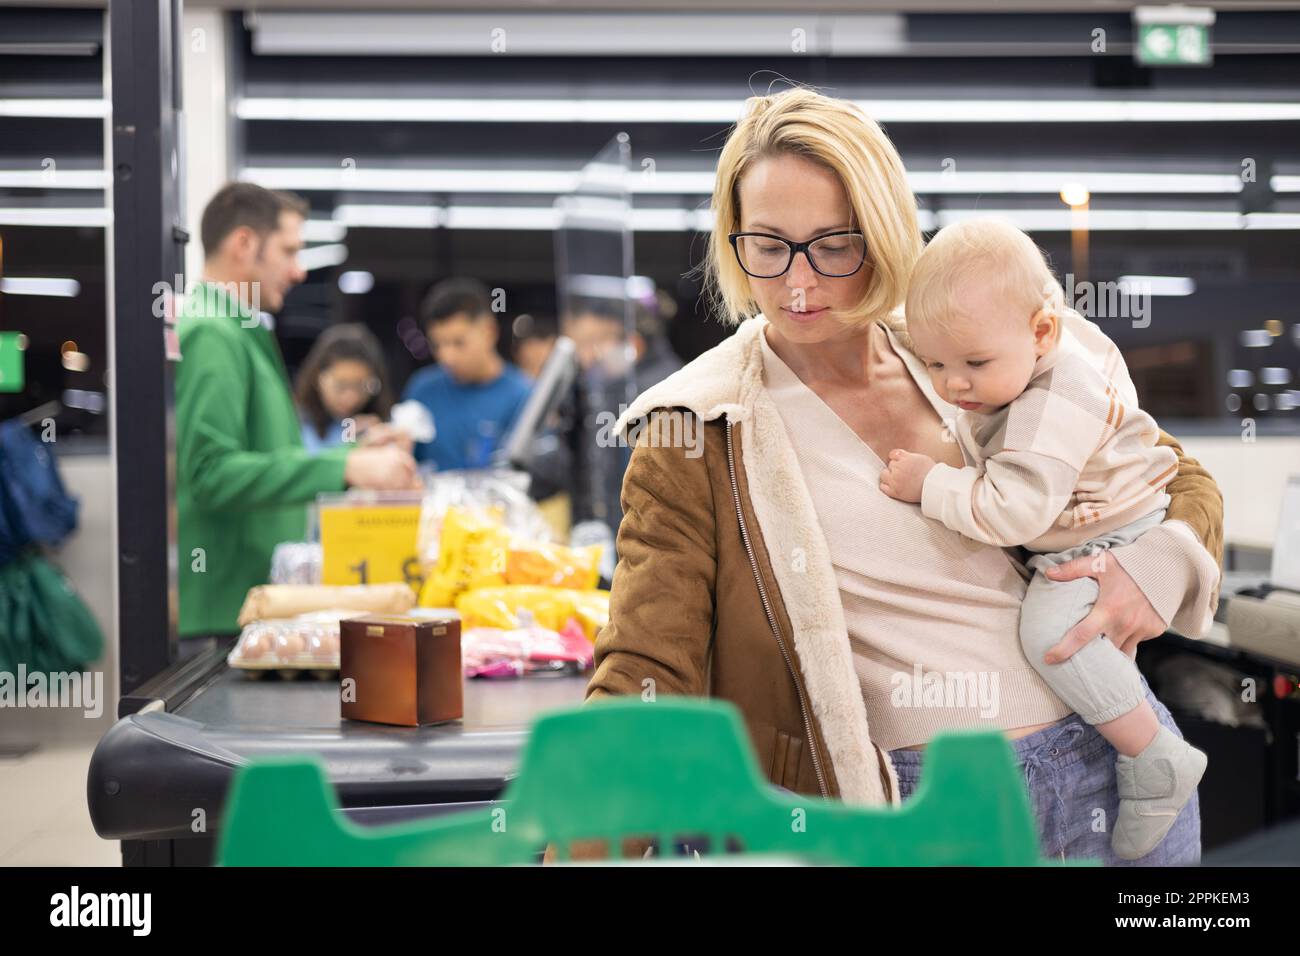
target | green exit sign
[
  {"x": 1173, "y": 36},
  {"x": 12, "y": 345}
]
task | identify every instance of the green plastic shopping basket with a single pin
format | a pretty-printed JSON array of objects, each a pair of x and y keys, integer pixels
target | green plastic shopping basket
[{"x": 677, "y": 770}]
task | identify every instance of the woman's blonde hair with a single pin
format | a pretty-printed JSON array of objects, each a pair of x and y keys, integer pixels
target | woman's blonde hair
[
  {"x": 838, "y": 136},
  {"x": 980, "y": 250}
]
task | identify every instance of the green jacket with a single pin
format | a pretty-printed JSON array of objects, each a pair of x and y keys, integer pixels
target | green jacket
[{"x": 243, "y": 477}]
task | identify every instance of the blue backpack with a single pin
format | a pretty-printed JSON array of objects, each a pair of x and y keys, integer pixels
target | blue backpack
[{"x": 34, "y": 506}]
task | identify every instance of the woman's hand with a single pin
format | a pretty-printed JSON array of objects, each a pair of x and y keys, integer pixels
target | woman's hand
[
  {"x": 904, "y": 475},
  {"x": 1122, "y": 612}
]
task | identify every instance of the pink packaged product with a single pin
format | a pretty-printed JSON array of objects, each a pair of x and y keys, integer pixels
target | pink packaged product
[{"x": 493, "y": 652}]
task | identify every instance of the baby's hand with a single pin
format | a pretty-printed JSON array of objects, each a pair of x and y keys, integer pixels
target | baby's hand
[{"x": 904, "y": 475}]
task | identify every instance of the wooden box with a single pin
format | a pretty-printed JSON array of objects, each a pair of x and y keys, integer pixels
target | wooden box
[{"x": 401, "y": 670}]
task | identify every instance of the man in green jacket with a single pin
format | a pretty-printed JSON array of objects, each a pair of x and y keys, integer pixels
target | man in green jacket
[{"x": 243, "y": 478}]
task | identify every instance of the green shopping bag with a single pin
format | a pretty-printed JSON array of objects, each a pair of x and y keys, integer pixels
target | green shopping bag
[{"x": 44, "y": 624}]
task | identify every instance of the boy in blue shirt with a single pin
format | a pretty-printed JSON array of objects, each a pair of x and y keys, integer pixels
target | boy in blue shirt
[{"x": 474, "y": 394}]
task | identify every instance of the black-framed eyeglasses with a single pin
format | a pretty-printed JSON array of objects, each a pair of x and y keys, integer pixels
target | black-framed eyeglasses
[{"x": 765, "y": 256}]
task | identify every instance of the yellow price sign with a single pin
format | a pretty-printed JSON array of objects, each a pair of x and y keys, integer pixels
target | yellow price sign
[{"x": 370, "y": 544}]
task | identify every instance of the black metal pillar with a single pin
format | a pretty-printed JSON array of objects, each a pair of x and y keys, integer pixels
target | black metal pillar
[{"x": 148, "y": 258}]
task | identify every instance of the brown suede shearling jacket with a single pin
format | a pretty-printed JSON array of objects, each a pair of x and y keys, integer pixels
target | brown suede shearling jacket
[{"x": 700, "y": 608}]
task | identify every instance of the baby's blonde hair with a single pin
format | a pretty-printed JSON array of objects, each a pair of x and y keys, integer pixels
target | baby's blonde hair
[
  {"x": 837, "y": 135},
  {"x": 980, "y": 250}
]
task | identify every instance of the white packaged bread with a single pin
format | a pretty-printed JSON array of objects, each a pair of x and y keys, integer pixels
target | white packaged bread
[{"x": 275, "y": 601}]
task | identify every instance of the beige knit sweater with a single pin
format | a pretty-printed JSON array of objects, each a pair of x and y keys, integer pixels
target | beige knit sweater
[{"x": 1069, "y": 459}]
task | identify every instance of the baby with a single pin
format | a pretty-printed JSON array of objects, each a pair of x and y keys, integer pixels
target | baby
[{"x": 1062, "y": 462}]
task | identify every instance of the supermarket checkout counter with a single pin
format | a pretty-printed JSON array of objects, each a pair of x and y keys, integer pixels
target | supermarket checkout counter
[
  {"x": 1235, "y": 693},
  {"x": 158, "y": 779}
]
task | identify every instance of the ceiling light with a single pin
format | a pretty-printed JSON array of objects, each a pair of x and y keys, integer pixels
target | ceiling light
[
  {"x": 24, "y": 216},
  {"x": 62, "y": 288},
  {"x": 1075, "y": 194},
  {"x": 1156, "y": 285},
  {"x": 727, "y": 111},
  {"x": 322, "y": 257},
  {"x": 56, "y": 108}
]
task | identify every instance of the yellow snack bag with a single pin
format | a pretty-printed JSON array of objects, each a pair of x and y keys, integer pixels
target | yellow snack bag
[
  {"x": 498, "y": 607},
  {"x": 471, "y": 550},
  {"x": 486, "y": 557},
  {"x": 591, "y": 608},
  {"x": 554, "y": 565},
  {"x": 550, "y": 607},
  {"x": 437, "y": 592}
]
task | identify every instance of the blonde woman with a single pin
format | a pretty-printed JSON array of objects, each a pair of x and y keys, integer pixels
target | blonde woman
[{"x": 770, "y": 570}]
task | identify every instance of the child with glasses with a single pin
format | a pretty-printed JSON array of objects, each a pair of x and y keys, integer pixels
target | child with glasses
[
  {"x": 341, "y": 388},
  {"x": 1062, "y": 462}
]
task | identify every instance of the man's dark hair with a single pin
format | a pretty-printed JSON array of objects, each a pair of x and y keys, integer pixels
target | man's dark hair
[
  {"x": 245, "y": 204},
  {"x": 467, "y": 297}
]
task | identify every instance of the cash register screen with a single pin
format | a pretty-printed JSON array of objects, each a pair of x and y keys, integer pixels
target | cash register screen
[{"x": 1286, "y": 549}]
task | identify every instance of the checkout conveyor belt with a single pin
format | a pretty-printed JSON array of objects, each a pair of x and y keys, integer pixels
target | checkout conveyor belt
[{"x": 156, "y": 768}]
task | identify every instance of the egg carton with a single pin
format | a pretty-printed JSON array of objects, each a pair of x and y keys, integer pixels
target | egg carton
[{"x": 308, "y": 644}]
